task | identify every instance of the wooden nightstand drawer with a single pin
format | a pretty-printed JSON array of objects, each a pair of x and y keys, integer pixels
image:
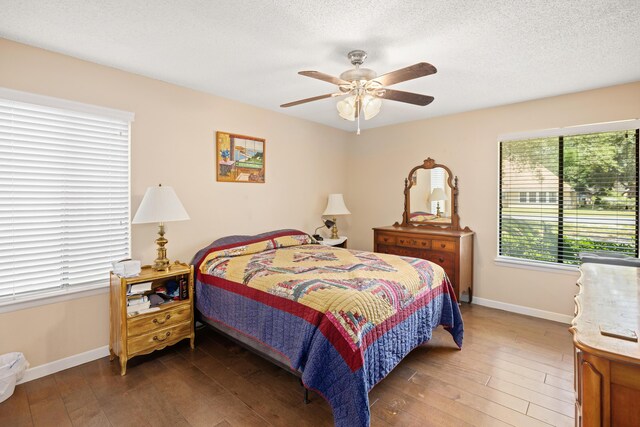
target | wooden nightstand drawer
[
  {"x": 444, "y": 245},
  {"x": 386, "y": 239},
  {"x": 158, "y": 339},
  {"x": 147, "y": 323}
]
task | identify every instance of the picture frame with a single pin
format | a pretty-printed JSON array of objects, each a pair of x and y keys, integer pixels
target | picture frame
[{"x": 240, "y": 158}]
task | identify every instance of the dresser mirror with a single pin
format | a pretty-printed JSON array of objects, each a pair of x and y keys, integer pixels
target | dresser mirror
[{"x": 431, "y": 197}]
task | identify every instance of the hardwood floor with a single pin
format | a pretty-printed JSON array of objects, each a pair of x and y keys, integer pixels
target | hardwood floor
[{"x": 513, "y": 370}]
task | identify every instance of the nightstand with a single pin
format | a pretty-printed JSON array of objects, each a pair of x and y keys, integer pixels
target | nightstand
[
  {"x": 339, "y": 243},
  {"x": 145, "y": 331}
]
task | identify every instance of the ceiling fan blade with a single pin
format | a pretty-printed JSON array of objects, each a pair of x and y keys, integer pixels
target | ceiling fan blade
[
  {"x": 408, "y": 97},
  {"x": 420, "y": 69},
  {"x": 315, "y": 98},
  {"x": 324, "y": 77}
]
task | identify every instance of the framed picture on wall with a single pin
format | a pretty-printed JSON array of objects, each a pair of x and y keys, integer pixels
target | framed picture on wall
[{"x": 239, "y": 158}]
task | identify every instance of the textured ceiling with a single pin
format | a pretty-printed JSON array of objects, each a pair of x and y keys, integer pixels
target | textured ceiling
[{"x": 487, "y": 52}]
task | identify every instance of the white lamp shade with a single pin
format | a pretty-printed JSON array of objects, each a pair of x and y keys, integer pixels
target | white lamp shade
[
  {"x": 160, "y": 204},
  {"x": 336, "y": 206},
  {"x": 438, "y": 194},
  {"x": 346, "y": 108},
  {"x": 371, "y": 106}
]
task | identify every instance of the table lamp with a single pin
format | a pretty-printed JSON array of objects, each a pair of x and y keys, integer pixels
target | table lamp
[
  {"x": 437, "y": 195},
  {"x": 160, "y": 204},
  {"x": 326, "y": 223},
  {"x": 335, "y": 207}
]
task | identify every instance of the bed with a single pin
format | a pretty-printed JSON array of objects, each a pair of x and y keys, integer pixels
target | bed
[{"x": 339, "y": 319}]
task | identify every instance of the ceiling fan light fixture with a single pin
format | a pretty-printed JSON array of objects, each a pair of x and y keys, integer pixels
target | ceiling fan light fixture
[
  {"x": 371, "y": 106},
  {"x": 364, "y": 89},
  {"x": 346, "y": 108}
]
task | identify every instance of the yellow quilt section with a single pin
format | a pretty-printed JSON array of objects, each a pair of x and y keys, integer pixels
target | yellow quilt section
[{"x": 360, "y": 289}]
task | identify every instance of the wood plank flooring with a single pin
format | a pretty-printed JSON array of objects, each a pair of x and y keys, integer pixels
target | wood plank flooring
[{"x": 513, "y": 370}]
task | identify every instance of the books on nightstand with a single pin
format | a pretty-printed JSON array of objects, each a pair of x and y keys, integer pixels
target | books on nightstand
[
  {"x": 137, "y": 303},
  {"x": 139, "y": 288}
]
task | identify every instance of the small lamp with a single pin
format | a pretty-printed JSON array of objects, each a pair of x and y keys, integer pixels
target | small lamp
[
  {"x": 335, "y": 207},
  {"x": 160, "y": 204},
  {"x": 326, "y": 223},
  {"x": 437, "y": 195}
]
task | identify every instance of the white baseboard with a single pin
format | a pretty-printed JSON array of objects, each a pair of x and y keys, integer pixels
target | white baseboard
[
  {"x": 62, "y": 364},
  {"x": 520, "y": 309}
]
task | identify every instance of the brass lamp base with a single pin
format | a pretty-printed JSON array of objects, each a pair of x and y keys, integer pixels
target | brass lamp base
[
  {"x": 334, "y": 229},
  {"x": 438, "y": 212},
  {"x": 162, "y": 262}
]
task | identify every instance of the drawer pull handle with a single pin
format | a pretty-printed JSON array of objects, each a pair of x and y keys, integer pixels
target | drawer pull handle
[
  {"x": 162, "y": 321},
  {"x": 385, "y": 239},
  {"x": 440, "y": 259},
  {"x": 442, "y": 245},
  {"x": 414, "y": 242},
  {"x": 424, "y": 243},
  {"x": 155, "y": 337}
]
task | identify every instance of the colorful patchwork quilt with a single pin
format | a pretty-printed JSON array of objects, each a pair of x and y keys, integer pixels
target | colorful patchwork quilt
[{"x": 342, "y": 318}]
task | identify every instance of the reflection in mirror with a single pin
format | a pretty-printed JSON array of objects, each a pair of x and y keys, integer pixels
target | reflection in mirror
[{"x": 430, "y": 196}]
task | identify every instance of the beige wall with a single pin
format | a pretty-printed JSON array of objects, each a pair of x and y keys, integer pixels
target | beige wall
[
  {"x": 173, "y": 143},
  {"x": 380, "y": 160}
]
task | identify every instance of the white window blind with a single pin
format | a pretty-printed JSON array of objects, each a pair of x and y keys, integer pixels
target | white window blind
[
  {"x": 64, "y": 198},
  {"x": 577, "y": 193}
]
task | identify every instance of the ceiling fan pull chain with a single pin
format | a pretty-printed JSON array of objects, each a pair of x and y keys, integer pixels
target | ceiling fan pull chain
[{"x": 358, "y": 133}]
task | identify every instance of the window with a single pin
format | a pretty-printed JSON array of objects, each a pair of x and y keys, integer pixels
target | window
[
  {"x": 523, "y": 197},
  {"x": 543, "y": 197},
  {"x": 586, "y": 180},
  {"x": 64, "y": 195}
]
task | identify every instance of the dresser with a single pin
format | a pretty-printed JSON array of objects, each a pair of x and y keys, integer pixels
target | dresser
[
  {"x": 606, "y": 356},
  {"x": 451, "y": 249}
]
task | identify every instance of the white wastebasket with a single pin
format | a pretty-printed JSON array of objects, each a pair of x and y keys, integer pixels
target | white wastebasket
[{"x": 12, "y": 367}]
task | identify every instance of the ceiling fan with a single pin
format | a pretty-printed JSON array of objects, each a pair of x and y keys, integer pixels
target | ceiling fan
[{"x": 365, "y": 89}]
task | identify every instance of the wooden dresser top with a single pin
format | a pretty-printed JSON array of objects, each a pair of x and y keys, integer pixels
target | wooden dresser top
[
  {"x": 609, "y": 298},
  {"x": 418, "y": 230}
]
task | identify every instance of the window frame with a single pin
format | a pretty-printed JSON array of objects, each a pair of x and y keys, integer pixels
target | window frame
[
  {"x": 79, "y": 291},
  {"x": 507, "y": 261}
]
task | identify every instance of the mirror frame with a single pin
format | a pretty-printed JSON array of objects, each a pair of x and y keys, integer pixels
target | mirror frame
[{"x": 452, "y": 182}]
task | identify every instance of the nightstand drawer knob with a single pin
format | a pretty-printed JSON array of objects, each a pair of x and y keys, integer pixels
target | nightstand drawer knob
[
  {"x": 442, "y": 245},
  {"x": 155, "y": 338},
  {"x": 440, "y": 259},
  {"x": 162, "y": 321}
]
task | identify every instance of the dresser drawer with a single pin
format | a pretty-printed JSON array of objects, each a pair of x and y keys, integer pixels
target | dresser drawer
[
  {"x": 413, "y": 242},
  {"x": 402, "y": 251},
  {"x": 445, "y": 260},
  {"x": 386, "y": 239},
  {"x": 147, "y": 323},
  {"x": 158, "y": 339},
  {"x": 443, "y": 245}
]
